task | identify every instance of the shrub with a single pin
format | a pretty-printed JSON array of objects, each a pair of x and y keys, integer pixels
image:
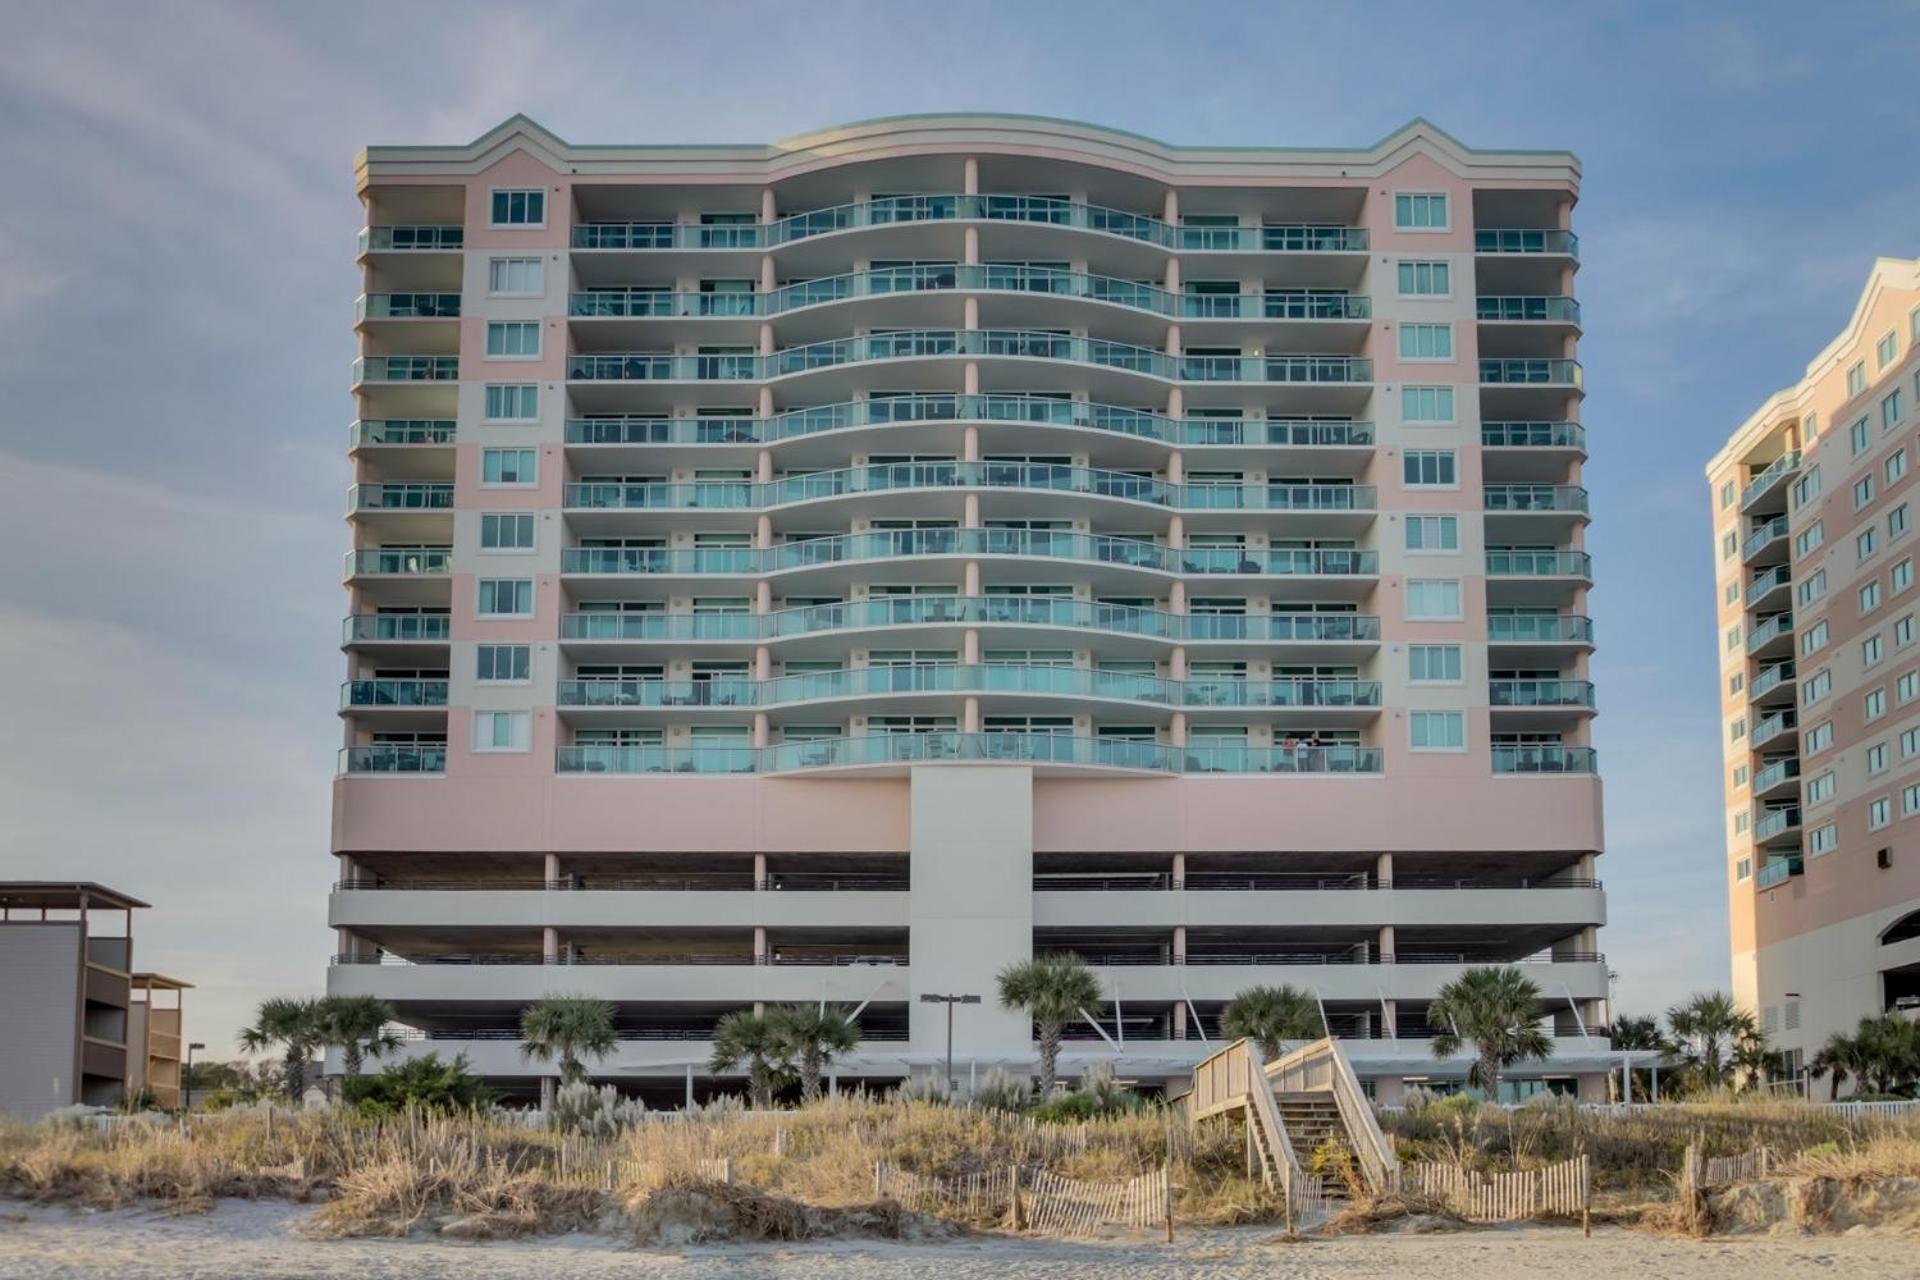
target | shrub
[
  {"x": 1001, "y": 1090},
  {"x": 424, "y": 1082},
  {"x": 588, "y": 1112}
]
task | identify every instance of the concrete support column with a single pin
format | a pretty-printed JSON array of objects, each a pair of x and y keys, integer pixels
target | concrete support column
[
  {"x": 1173, "y": 339},
  {"x": 1176, "y": 468},
  {"x": 762, "y": 732},
  {"x": 970, "y": 511},
  {"x": 1390, "y": 1019},
  {"x": 970, "y": 648},
  {"x": 1179, "y": 870},
  {"x": 971, "y": 313},
  {"x": 759, "y": 870},
  {"x": 763, "y": 663},
  {"x": 769, "y": 280},
  {"x": 765, "y": 409},
  {"x": 1585, "y": 868},
  {"x": 553, "y": 870},
  {"x": 970, "y": 175},
  {"x": 759, "y": 944},
  {"x": 1383, "y": 869},
  {"x": 970, "y": 716},
  {"x": 971, "y": 254},
  {"x": 1180, "y": 1020},
  {"x": 970, "y": 579},
  {"x": 1172, "y": 280},
  {"x": 1176, "y": 531},
  {"x": 766, "y": 339},
  {"x": 763, "y": 467},
  {"x": 769, "y": 207},
  {"x": 970, "y": 444},
  {"x": 1385, "y": 942},
  {"x": 1177, "y": 729},
  {"x": 763, "y": 532},
  {"x": 763, "y": 596},
  {"x": 550, "y": 945},
  {"x": 1179, "y": 944},
  {"x": 1177, "y": 598},
  {"x": 1170, "y": 208},
  {"x": 1177, "y": 665},
  {"x": 970, "y": 378}
]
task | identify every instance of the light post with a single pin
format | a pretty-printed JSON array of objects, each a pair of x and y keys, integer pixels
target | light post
[
  {"x": 186, "y": 1077},
  {"x": 949, "y": 1001}
]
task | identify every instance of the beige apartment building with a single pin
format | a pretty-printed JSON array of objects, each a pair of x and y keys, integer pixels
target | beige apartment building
[{"x": 1813, "y": 503}]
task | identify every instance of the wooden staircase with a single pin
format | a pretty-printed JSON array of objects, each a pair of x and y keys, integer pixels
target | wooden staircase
[{"x": 1312, "y": 1118}]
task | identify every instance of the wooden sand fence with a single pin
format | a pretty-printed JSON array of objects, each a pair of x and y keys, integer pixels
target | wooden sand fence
[
  {"x": 1039, "y": 1201},
  {"x": 1564, "y": 1188}
]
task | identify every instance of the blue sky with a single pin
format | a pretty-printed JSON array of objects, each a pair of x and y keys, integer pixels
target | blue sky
[{"x": 176, "y": 290}]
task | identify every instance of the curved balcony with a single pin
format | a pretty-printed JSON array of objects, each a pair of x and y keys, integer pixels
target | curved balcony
[
  {"x": 1526, "y": 240},
  {"x": 405, "y": 369},
  {"x": 1522, "y": 308},
  {"x": 412, "y": 238},
  {"x": 894, "y": 211},
  {"x": 1544, "y": 758},
  {"x": 396, "y": 628},
  {"x": 360, "y": 695},
  {"x": 401, "y": 433},
  {"x": 407, "y": 306},
  {"x": 411, "y": 496},
  {"x": 394, "y": 757}
]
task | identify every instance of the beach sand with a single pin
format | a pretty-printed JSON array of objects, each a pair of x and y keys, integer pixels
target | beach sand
[{"x": 253, "y": 1241}]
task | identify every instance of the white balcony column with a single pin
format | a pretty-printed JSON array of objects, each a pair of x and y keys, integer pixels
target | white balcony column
[
  {"x": 970, "y": 254},
  {"x": 769, "y": 280},
  {"x": 761, "y": 732},
  {"x": 971, "y": 312},
  {"x": 1176, "y": 403},
  {"x": 1384, "y": 947},
  {"x": 1383, "y": 868},
  {"x": 1179, "y": 870},
  {"x": 763, "y": 663},
  {"x": 970, "y": 378},
  {"x": 550, "y": 945},
  {"x": 759, "y": 870},
  {"x": 1176, "y": 531},
  {"x": 766, "y": 339},
  {"x": 970, "y": 176},
  {"x": 1177, "y": 598},
  {"x": 970, "y": 445},
  {"x": 769, "y": 207},
  {"x": 970, "y": 511},
  {"x": 763, "y": 532},
  {"x": 1177, "y": 729},
  {"x": 763, "y": 596},
  {"x": 970, "y": 716},
  {"x": 1584, "y": 868},
  {"x": 765, "y": 409},
  {"x": 1179, "y": 944},
  {"x": 553, "y": 870},
  {"x": 1176, "y": 468},
  {"x": 763, "y": 467},
  {"x": 970, "y": 579},
  {"x": 970, "y": 648},
  {"x": 1170, "y": 208},
  {"x": 1177, "y": 664},
  {"x": 1172, "y": 282},
  {"x": 1179, "y": 1019},
  {"x": 759, "y": 944},
  {"x": 1173, "y": 339}
]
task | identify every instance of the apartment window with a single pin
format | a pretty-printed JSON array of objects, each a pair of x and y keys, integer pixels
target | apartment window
[
  {"x": 1729, "y": 543},
  {"x": 1816, "y": 686},
  {"x": 1903, "y": 632},
  {"x": 1862, "y": 492},
  {"x": 1890, "y": 408},
  {"x": 518, "y": 277},
  {"x": 1901, "y": 576},
  {"x": 1740, "y": 823},
  {"x": 1866, "y": 542},
  {"x": 1424, "y": 279},
  {"x": 1872, "y": 649},
  {"x": 1438, "y": 730},
  {"x": 1897, "y": 519},
  {"x": 1420, "y": 212},
  {"x": 1879, "y": 813},
  {"x": 1737, "y": 729},
  {"x": 1859, "y": 436},
  {"x": 1426, "y": 404},
  {"x": 513, "y": 339},
  {"x": 1433, "y": 599},
  {"x": 506, "y": 531},
  {"x": 1910, "y": 800},
  {"x": 1856, "y": 379},
  {"x": 1426, "y": 342},
  {"x": 520, "y": 208},
  {"x": 1433, "y": 533},
  {"x": 1812, "y": 587},
  {"x": 1823, "y": 839},
  {"x": 506, "y": 597},
  {"x": 1909, "y": 743},
  {"x": 1820, "y": 788},
  {"x": 510, "y": 467},
  {"x": 1743, "y": 869},
  {"x": 1433, "y": 663},
  {"x": 1733, "y": 639},
  {"x": 1814, "y": 638},
  {"x": 513, "y": 402},
  {"x": 1810, "y": 429},
  {"x": 1873, "y": 706},
  {"x": 1819, "y": 738},
  {"x": 1740, "y": 775},
  {"x": 1807, "y": 487},
  {"x": 1730, "y": 592},
  {"x": 1886, "y": 349},
  {"x": 502, "y": 731},
  {"x": 1809, "y": 538},
  {"x": 1877, "y": 758},
  {"x": 1906, "y": 688},
  {"x": 1870, "y": 597},
  {"x": 1727, "y": 494},
  {"x": 1429, "y": 468},
  {"x": 1735, "y": 683},
  {"x": 504, "y": 663}
]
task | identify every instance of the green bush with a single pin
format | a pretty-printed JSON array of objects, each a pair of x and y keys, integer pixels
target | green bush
[{"x": 424, "y": 1082}]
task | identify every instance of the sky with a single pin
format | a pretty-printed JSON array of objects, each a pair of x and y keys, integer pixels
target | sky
[{"x": 177, "y": 284}]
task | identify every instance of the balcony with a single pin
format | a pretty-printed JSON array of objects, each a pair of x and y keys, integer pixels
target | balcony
[
  {"x": 1544, "y": 758},
  {"x": 1541, "y": 694},
  {"x": 1766, "y": 492},
  {"x": 1776, "y": 779},
  {"x": 412, "y": 239},
  {"x": 1544, "y": 499},
  {"x": 1779, "y": 724},
  {"x": 1526, "y": 240},
  {"x": 407, "y": 433},
  {"x": 1769, "y": 536},
  {"x": 1236, "y": 759},
  {"x": 1770, "y": 588},
  {"x": 1777, "y": 871},
  {"x": 1777, "y": 822},
  {"x": 1508, "y": 562},
  {"x": 414, "y": 496},
  {"x": 407, "y": 306},
  {"x": 396, "y": 628},
  {"x": 362, "y": 695},
  {"x": 1537, "y": 308},
  {"x": 393, "y": 562},
  {"x": 394, "y": 757},
  {"x": 1534, "y": 435},
  {"x": 1772, "y": 683},
  {"x": 1550, "y": 372},
  {"x": 404, "y": 369},
  {"x": 1771, "y": 637},
  {"x": 1539, "y": 629}
]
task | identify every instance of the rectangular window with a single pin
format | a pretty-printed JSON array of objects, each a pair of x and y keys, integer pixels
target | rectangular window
[
  {"x": 1733, "y": 639},
  {"x": 1740, "y": 775},
  {"x": 1870, "y": 597},
  {"x": 1909, "y": 743},
  {"x": 513, "y": 339},
  {"x": 517, "y": 277},
  {"x": 1438, "y": 730},
  {"x": 1903, "y": 632},
  {"x": 1814, "y": 638},
  {"x": 1859, "y": 437},
  {"x": 1901, "y": 576},
  {"x": 1910, "y": 800},
  {"x": 513, "y": 402},
  {"x": 1820, "y": 789},
  {"x": 1890, "y": 409},
  {"x": 1871, "y": 651},
  {"x": 1819, "y": 738},
  {"x": 1862, "y": 492},
  {"x": 1730, "y": 592},
  {"x": 1866, "y": 542},
  {"x": 1812, "y": 587},
  {"x": 1727, "y": 493},
  {"x": 1737, "y": 729},
  {"x": 1897, "y": 519},
  {"x": 1877, "y": 758},
  {"x": 519, "y": 467},
  {"x": 1433, "y": 663},
  {"x": 1424, "y": 279},
  {"x": 1874, "y": 705},
  {"x": 506, "y": 531},
  {"x": 1433, "y": 599},
  {"x": 1856, "y": 379},
  {"x": 1743, "y": 869},
  {"x": 1735, "y": 683},
  {"x": 1430, "y": 468},
  {"x": 1433, "y": 533},
  {"x": 1740, "y": 823},
  {"x": 526, "y": 208},
  {"x": 1886, "y": 349},
  {"x": 1823, "y": 839},
  {"x": 506, "y": 597},
  {"x": 1426, "y": 342},
  {"x": 1426, "y": 404},
  {"x": 502, "y": 731},
  {"x": 1879, "y": 813},
  {"x": 1816, "y": 686},
  {"x": 1420, "y": 212},
  {"x": 1807, "y": 487},
  {"x": 1729, "y": 543},
  {"x": 504, "y": 663},
  {"x": 1906, "y": 688},
  {"x": 1809, "y": 538}
]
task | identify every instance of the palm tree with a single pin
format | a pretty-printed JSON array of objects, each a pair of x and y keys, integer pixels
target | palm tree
[
  {"x": 1841, "y": 1056},
  {"x": 1630, "y": 1032},
  {"x": 1270, "y": 1016},
  {"x": 1701, "y": 1026},
  {"x": 812, "y": 1034},
  {"x": 358, "y": 1025},
  {"x": 1889, "y": 1052},
  {"x": 1751, "y": 1059},
  {"x": 564, "y": 1029},
  {"x": 752, "y": 1040},
  {"x": 1496, "y": 1010},
  {"x": 1052, "y": 990},
  {"x": 293, "y": 1026}
]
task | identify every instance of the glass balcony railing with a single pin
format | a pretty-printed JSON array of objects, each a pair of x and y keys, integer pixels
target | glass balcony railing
[
  {"x": 399, "y": 561},
  {"x": 356, "y": 694},
  {"x": 662, "y": 626},
  {"x": 660, "y": 560},
  {"x": 1779, "y": 469},
  {"x": 1527, "y": 307},
  {"x": 1275, "y": 497},
  {"x": 1533, "y": 435},
  {"x": 659, "y": 693},
  {"x": 394, "y": 757},
  {"x": 1762, "y": 534},
  {"x": 1775, "y": 822},
  {"x": 1773, "y": 775},
  {"x": 1280, "y": 693},
  {"x": 1535, "y": 497},
  {"x": 396, "y": 628},
  {"x": 1541, "y": 693},
  {"x": 1777, "y": 871},
  {"x": 1530, "y": 372},
  {"x": 407, "y": 306},
  {"x": 1505, "y": 562},
  {"x": 406, "y": 369},
  {"x": 1281, "y": 627},
  {"x": 1042, "y": 210},
  {"x": 1235, "y": 758},
  {"x": 418, "y": 238},
  {"x": 622, "y": 759},
  {"x": 1767, "y": 630},
  {"x": 409, "y": 496},
  {"x": 1773, "y": 726},
  {"x": 1543, "y": 758},
  {"x": 1767, "y": 679},
  {"x": 631, "y": 303},
  {"x": 1526, "y": 240},
  {"x": 401, "y": 431},
  {"x": 1539, "y": 629},
  {"x": 1763, "y": 583}
]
